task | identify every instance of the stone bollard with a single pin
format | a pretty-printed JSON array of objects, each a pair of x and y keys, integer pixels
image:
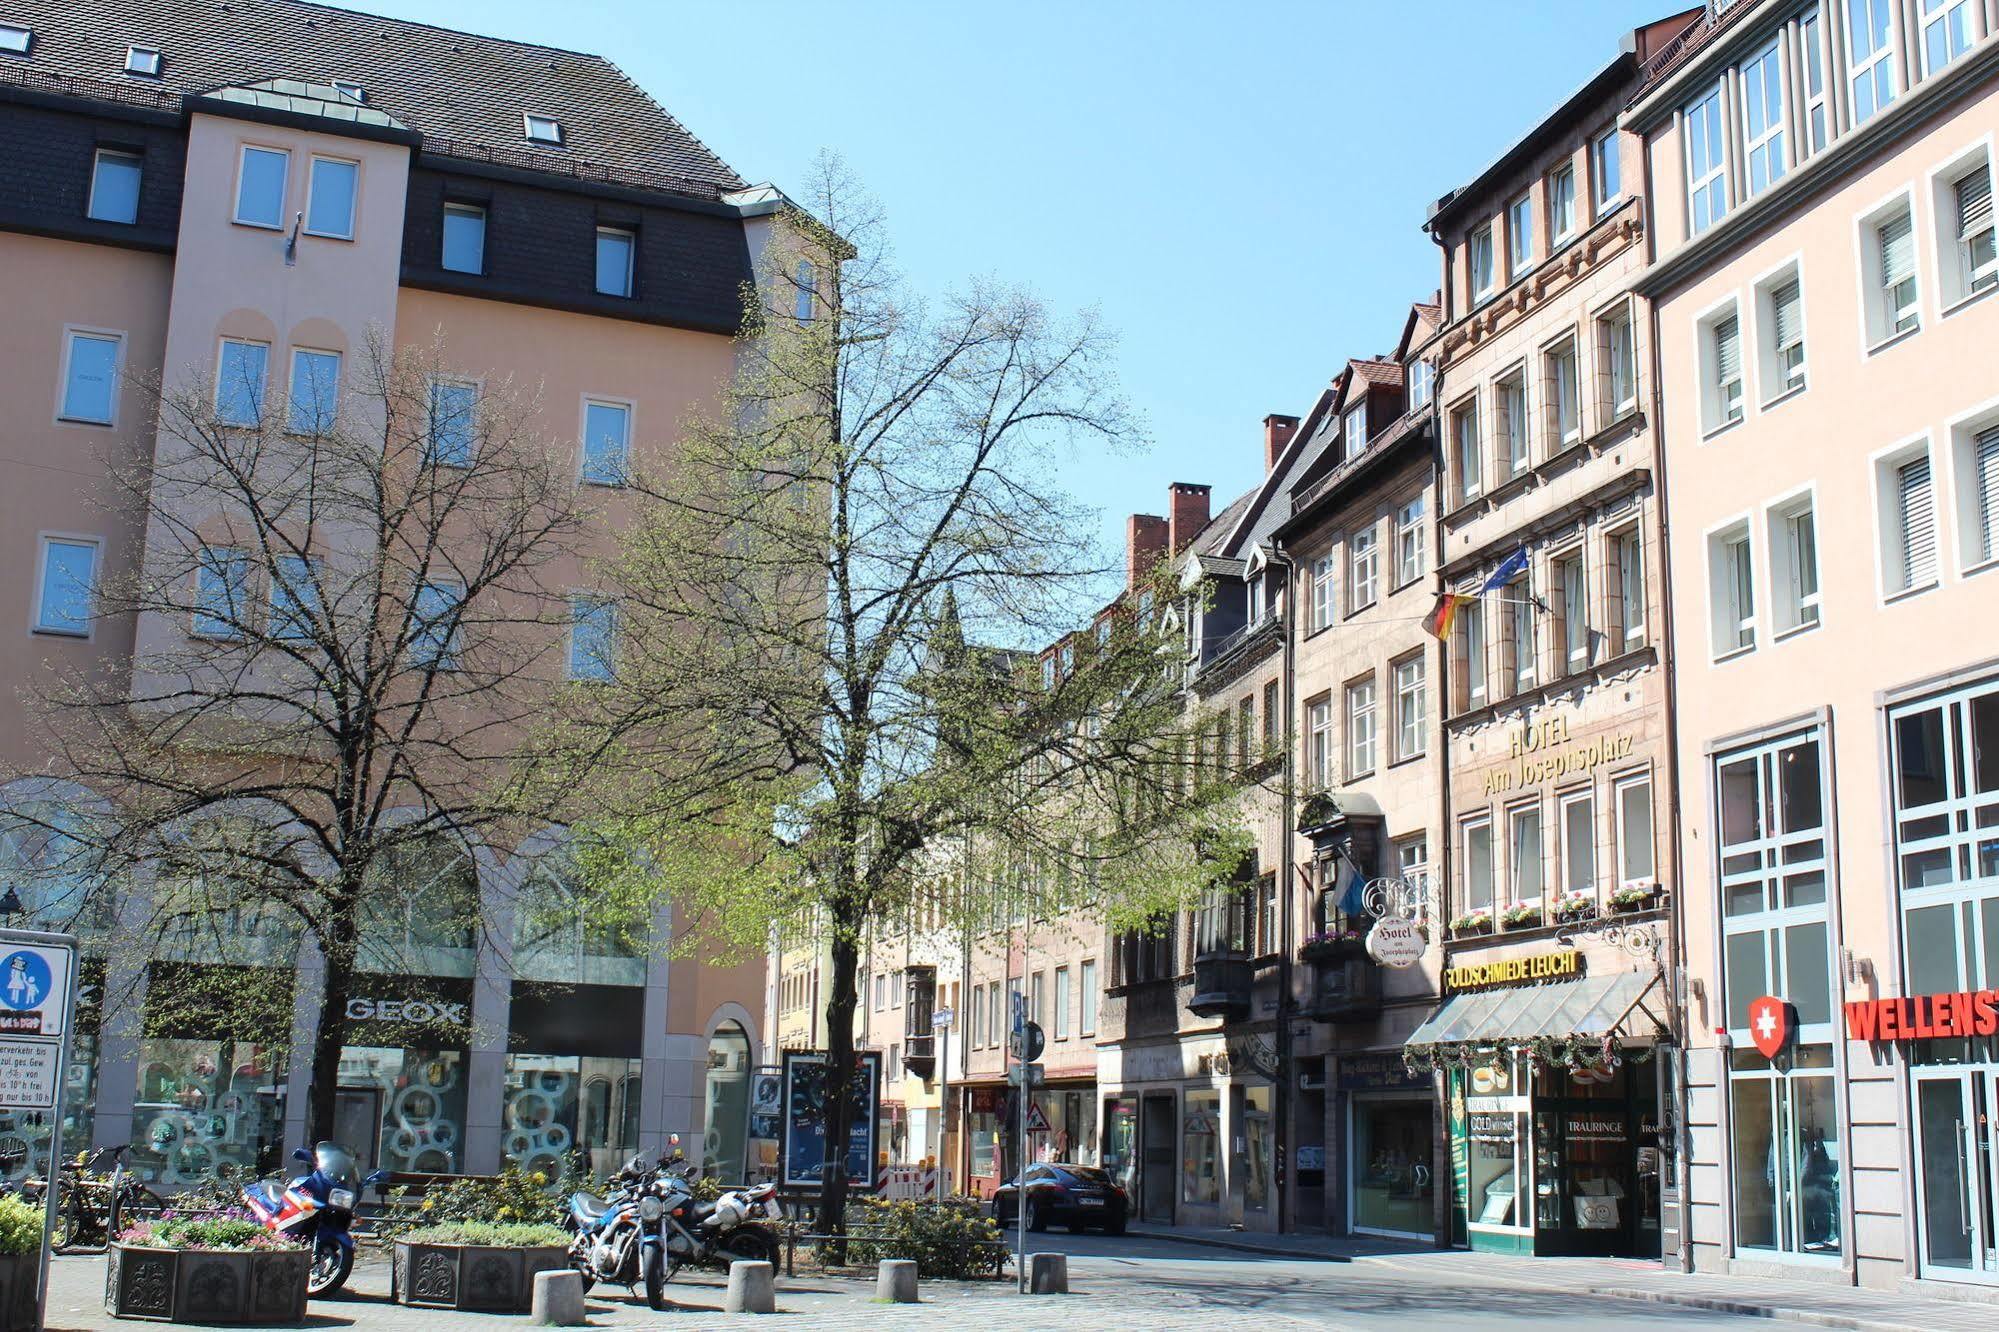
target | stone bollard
[
  {"x": 1047, "y": 1274},
  {"x": 558, "y": 1299},
  {"x": 752, "y": 1289},
  {"x": 895, "y": 1281}
]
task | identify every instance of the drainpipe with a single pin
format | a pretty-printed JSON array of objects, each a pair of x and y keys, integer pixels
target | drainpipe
[
  {"x": 1287, "y": 1080},
  {"x": 1440, "y": 1163}
]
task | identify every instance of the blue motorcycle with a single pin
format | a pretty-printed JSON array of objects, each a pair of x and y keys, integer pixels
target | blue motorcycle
[{"x": 317, "y": 1209}]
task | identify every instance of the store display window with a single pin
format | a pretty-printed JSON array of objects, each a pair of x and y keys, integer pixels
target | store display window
[
  {"x": 1200, "y": 1147},
  {"x": 556, "y": 1104}
]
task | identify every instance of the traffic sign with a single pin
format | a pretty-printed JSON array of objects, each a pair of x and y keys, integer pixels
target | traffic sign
[
  {"x": 942, "y": 1018},
  {"x": 37, "y": 997},
  {"x": 1036, "y": 1075},
  {"x": 1027, "y": 1044},
  {"x": 1037, "y": 1119},
  {"x": 1019, "y": 1010}
]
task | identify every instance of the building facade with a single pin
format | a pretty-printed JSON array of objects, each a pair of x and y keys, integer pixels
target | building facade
[{"x": 243, "y": 198}]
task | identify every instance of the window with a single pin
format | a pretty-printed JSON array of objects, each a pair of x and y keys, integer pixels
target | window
[
  {"x": 1509, "y": 405},
  {"x": 1635, "y": 863},
  {"x": 114, "y": 186},
  {"x": 67, "y": 586},
  {"x": 1977, "y": 258},
  {"x": 454, "y": 423},
  {"x": 221, "y": 592},
  {"x": 541, "y": 129},
  {"x": 1811, "y": 41},
  {"x": 1573, "y": 633},
  {"x": 295, "y": 599},
  {"x": 1978, "y": 494},
  {"x": 260, "y": 188},
  {"x": 1782, "y": 308},
  {"x": 1363, "y": 557},
  {"x": 1353, "y": 429},
  {"x": 1564, "y": 394},
  {"x": 1480, "y": 259},
  {"x": 1910, "y": 560},
  {"x": 329, "y": 206},
  {"x": 143, "y": 61},
  {"x": 1273, "y": 720},
  {"x": 1794, "y": 564},
  {"x": 1519, "y": 235},
  {"x": 315, "y": 391},
  {"x": 433, "y": 628},
  {"x": 239, "y": 383},
  {"x": 1579, "y": 843},
  {"x": 1409, "y": 542},
  {"x": 607, "y": 428},
  {"x": 1048, "y": 672},
  {"x": 15, "y": 39},
  {"x": 1870, "y": 56},
  {"x": 807, "y": 294},
  {"x": 1061, "y": 1032},
  {"x": 1763, "y": 119},
  {"x": 1469, "y": 453},
  {"x": 1617, "y": 364},
  {"x": 464, "y": 238},
  {"x": 1721, "y": 357},
  {"x": 1524, "y": 850},
  {"x": 1412, "y": 719},
  {"x": 1360, "y": 728},
  {"x": 1519, "y": 648},
  {"x": 1626, "y": 576},
  {"x": 1707, "y": 184},
  {"x": 1732, "y": 590},
  {"x": 1087, "y": 981},
  {"x": 1471, "y": 654},
  {"x": 1322, "y": 591},
  {"x": 1604, "y": 170},
  {"x": 593, "y": 637},
  {"x": 1421, "y": 380},
  {"x": 350, "y": 90},
  {"x": 90, "y": 378},
  {"x": 1265, "y": 940},
  {"x": 614, "y": 261},
  {"x": 1412, "y": 860},
  {"x": 1562, "y": 203},
  {"x": 1895, "y": 255},
  {"x": 1946, "y": 32},
  {"x": 1478, "y": 865},
  {"x": 1319, "y": 721}
]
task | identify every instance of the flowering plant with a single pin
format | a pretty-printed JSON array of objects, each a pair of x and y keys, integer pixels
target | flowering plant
[
  {"x": 1633, "y": 896},
  {"x": 488, "y": 1234},
  {"x": 234, "y": 1234},
  {"x": 1525, "y": 914},
  {"x": 1475, "y": 921},
  {"x": 1341, "y": 935},
  {"x": 1575, "y": 905}
]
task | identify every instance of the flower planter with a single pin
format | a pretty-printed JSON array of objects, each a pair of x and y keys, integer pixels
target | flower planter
[
  {"x": 1530, "y": 923},
  {"x": 17, "y": 1291},
  {"x": 1471, "y": 931},
  {"x": 1332, "y": 950},
  {"x": 471, "y": 1276},
  {"x": 1634, "y": 905},
  {"x": 264, "y": 1287}
]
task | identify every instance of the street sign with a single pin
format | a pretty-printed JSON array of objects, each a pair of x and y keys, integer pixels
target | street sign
[
  {"x": 1037, "y": 1118},
  {"x": 1027, "y": 1044},
  {"x": 37, "y": 997},
  {"x": 1019, "y": 1010},
  {"x": 942, "y": 1018},
  {"x": 1036, "y": 1075}
]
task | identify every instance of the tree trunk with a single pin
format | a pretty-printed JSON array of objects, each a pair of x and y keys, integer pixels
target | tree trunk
[
  {"x": 840, "y": 1074},
  {"x": 330, "y": 1035}
]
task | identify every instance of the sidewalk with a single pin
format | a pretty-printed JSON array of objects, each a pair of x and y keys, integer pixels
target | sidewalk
[{"x": 1821, "y": 1304}]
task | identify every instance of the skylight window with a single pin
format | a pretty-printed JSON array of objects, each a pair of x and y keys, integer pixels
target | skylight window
[
  {"x": 353, "y": 90},
  {"x": 543, "y": 129},
  {"x": 143, "y": 60},
  {"x": 14, "y": 40}
]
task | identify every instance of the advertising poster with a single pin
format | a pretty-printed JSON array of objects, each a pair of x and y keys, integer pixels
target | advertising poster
[
  {"x": 766, "y": 1111},
  {"x": 804, "y": 1121}
]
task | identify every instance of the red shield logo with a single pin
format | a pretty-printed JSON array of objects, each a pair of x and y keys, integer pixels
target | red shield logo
[{"x": 1770, "y": 1025}]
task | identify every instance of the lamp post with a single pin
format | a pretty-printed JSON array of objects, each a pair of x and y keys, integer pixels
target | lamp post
[{"x": 10, "y": 907}]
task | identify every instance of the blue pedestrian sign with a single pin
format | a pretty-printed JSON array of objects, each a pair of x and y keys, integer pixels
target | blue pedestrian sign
[
  {"x": 34, "y": 990},
  {"x": 24, "y": 980}
]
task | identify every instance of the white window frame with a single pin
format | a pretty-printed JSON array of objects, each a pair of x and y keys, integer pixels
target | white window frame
[
  {"x": 1621, "y": 790},
  {"x": 541, "y": 129},
  {"x": 1319, "y": 740},
  {"x": 805, "y": 300},
  {"x": 1412, "y": 711},
  {"x": 631, "y": 239},
  {"x": 1562, "y": 211},
  {"x": 1325, "y": 584},
  {"x": 1516, "y": 884},
  {"x": 1478, "y": 684},
  {"x": 454, "y": 208},
  {"x": 1086, "y": 1022},
  {"x": 1776, "y": 380},
  {"x": 284, "y": 608},
  {"x": 220, "y": 562},
  {"x": 1519, "y": 235},
  {"x": 1513, "y": 415},
  {"x": 1734, "y": 629},
  {"x": 1721, "y": 409},
  {"x": 1571, "y": 577},
  {"x": 1467, "y": 450},
  {"x": 452, "y": 648},
  {"x": 1363, "y": 566},
  {"x": 1630, "y": 540},
  {"x": 1618, "y": 375},
  {"x": 263, "y": 389},
  {"x": 70, "y": 334},
  {"x": 1363, "y": 714},
  {"x": 1061, "y": 1013},
  {"x": 1707, "y": 176},
  {"x": 292, "y": 387},
  {"x": 1974, "y": 503},
  {"x": 1467, "y": 829},
  {"x": 1567, "y": 804},
  {"x": 431, "y": 433},
  {"x": 1479, "y": 264},
  {"x": 1952, "y": 21},
  {"x": 284, "y": 186},
  {"x": 1523, "y": 633},
  {"x": 1563, "y": 350},
  {"x": 1421, "y": 380},
  {"x": 313, "y": 163},
  {"x": 597, "y": 476},
  {"x": 1603, "y": 149},
  {"x": 1897, "y": 581},
  {"x": 138, "y": 163},
  {"x": 1763, "y": 158},
  {"x": 1409, "y": 560},
  {"x": 1353, "y": 428},
  {"x": 143, "y": 61},
  {"x": 1876, "y": 66},
  {"x": 16, "y": 39},
  {"x": 1961, "y": 277},
  {"x": 39, "y": 623},
  {"x": 1817, "y": 119},
  {"x": 1796, "y": 578}
]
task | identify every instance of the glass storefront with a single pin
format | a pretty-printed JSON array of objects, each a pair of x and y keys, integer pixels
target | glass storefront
[
  {"x": 1389, "y": 1152},
  {"x": 207, "y": 1112},
  {"x": 1200, "y": 1147},
  {"x": 728, "y": 1103},
  {"x": 1072, "y": 1127},
  {"x": 1499, "y": 1168},
  {"x": 1786, "y": 1131},
  {"x": 1256, "y": 1148},
  {"x": 1120, "y": 1156},
  {"x": 414, "y": 1099},
  {"x": 553, "y": 1105}
]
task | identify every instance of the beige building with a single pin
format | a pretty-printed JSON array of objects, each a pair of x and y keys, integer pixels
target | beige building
[{"x": 1821, "y": 277}]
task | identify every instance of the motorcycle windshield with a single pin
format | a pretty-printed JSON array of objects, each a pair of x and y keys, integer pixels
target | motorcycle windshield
[{"x": 337, "y": 1164}]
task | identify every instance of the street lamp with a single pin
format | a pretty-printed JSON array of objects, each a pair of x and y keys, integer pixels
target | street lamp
[{"x": 10, "y": 907}]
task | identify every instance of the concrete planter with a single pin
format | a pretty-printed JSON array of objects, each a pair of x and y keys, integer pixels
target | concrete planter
[
  {"x": 264, "y": 1287},
  {"x": 17, "y": 1291},
  {"x": 472, "y": 1276}
]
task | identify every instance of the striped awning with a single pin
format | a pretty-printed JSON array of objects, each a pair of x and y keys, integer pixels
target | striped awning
[{"x": 1592, "y": 1006}]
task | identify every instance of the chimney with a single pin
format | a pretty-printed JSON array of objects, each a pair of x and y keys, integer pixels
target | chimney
[
  {"x": 1277, "y": 432},
  {"x": 1144, "y": 543},
  {"x": 1187, "y": 504}
]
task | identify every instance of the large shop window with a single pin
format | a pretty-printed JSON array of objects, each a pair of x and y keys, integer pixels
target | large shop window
[
  {"x": 587, "y": 1097},
  {"x": 1200, "y": 1148},
  {"x": 422, "y": 913},
  {"x": 1772, "y": 825},
  {"x": 1500, "y": 1167},
  {"x": 1390, "y": 1148},
  {"x": 728, "y": 1103},
  {"x": 559, "y": 936}
]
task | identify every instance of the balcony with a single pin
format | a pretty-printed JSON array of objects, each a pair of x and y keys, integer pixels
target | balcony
[
  {"x": 919, "y": 1055},
  {"x": 1222, "y": 981},
  {"x": 1345, "y": 990}
]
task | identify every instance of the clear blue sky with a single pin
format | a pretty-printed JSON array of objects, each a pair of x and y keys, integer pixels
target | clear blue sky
[{"x": 1238, "y": 187}]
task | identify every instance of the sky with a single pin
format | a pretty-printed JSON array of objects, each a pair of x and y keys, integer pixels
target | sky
[{"x": 1237, "y": 188}]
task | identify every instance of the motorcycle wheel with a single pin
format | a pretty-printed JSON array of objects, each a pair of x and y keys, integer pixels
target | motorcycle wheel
[
  {"x": 655, "y": 1275},
  {"x": 751, "y": 1244},
  {"x": 330, "y": 1267}
]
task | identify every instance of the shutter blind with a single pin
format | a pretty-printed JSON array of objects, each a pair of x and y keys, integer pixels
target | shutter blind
[
  {"x": 1974, "y": 203},
  {"x": 1919, "y": 545},
  {"x": 1898, "y": 251},
  {"x": 1986, "y": 464},
  {"x": 1784, "y": 301},
  {"x": 1728, "y": 349}
]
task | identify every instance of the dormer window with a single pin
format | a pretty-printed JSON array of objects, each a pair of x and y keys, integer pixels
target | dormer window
[
  {"x": 353, "y": 91},
  {"x": 15, "y": 40},
  {"x": 1353, "y": 429},
  {"x": 143, "y": 61},
  {"x": 542, "y": 129}
]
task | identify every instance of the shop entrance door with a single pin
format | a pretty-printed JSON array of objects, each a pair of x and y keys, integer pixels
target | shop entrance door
[
  {"x": 1158, "y": 1140},
  {"x": 1958, "y": 1172}
]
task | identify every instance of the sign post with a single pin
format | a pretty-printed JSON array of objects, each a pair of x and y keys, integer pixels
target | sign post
[
  {"x": 941, "y": 1021},
  {"x": 37, "y": 1014}
]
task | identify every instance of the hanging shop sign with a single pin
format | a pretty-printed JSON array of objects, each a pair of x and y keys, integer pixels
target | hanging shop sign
[
  {"x": 1561, "y": 964},
  {"x": 1540, "y": 752},
  {"x": 1395, "y": 942},
  {"x": 1923, "y": 1017},
  {"x": 1771, "y": 1024}
]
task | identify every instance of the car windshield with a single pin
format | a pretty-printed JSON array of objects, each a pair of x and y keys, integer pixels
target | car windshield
[{"x": 1088, "y": 1174}]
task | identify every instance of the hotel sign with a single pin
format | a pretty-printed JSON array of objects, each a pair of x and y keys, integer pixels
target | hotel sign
[
  {"x": 1540, "y": 752},
  {"x": 1562, "y": 964},
  {"x": 1924, "y": 1017}
]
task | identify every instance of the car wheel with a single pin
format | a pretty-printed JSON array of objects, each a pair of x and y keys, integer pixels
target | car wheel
[
  {"x": 1114, "y": 1227},
  {"x": 1037, "y": 1217}
]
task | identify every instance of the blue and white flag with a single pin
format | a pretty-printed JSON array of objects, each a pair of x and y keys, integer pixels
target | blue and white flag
[
  {"x": 1512, "y": 568},
  {"x": 1352, "y": 900}
]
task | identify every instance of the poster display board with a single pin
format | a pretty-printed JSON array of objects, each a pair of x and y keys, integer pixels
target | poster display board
[{"x": 804, "y": 1148}]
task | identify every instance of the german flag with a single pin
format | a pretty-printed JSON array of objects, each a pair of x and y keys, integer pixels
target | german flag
[{"x": 1446, "y": 610}]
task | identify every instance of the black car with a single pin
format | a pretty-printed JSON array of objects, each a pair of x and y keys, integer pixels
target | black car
[{"x": 1077, "y": 1196}]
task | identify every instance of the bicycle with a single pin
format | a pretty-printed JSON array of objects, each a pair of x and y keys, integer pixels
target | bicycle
[{"x": 93, "y": 1207}]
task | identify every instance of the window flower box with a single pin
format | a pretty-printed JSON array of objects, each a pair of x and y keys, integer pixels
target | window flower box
[
  {"x": 1472, "y": 923},
  {"x": 1575, "y": 906},
  {"x": 1523, "y": 917},
  {"x": 1634, "y": 897},
  {"x": 1333, "y": 946}
]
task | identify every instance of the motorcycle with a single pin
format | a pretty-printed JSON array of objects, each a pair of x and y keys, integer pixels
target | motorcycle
[
  {"x": 317, "y": 1208},
  {"x": 650, "y": 1225}
]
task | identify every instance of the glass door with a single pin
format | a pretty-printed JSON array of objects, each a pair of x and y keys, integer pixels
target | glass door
[{"x": 1956, "y": 1171}]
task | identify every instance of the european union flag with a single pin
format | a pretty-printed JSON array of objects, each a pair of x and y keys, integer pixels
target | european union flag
[{"x": 1514, "y": 566}]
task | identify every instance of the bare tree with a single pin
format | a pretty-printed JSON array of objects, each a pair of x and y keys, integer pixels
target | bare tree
[
  {"x": 349, "y": 617},
  {"x": 838, "y": 593}
]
